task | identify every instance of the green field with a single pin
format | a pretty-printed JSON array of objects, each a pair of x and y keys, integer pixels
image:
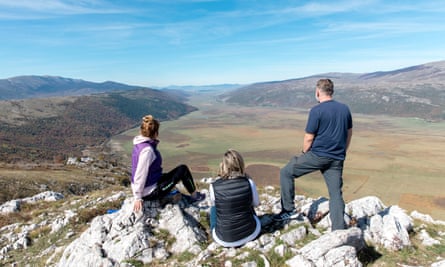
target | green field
[{"x": 399, "y": 160}]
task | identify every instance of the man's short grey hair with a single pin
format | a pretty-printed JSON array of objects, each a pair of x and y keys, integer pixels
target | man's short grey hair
[{"x": 326, "y": 86}]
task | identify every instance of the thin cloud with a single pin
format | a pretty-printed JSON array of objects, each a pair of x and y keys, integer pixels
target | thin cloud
[
  {"x": 31, "y": 9},
  {"x": 384, "y": 28}
]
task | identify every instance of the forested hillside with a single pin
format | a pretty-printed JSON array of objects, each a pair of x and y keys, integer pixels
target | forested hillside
[{"x": 57, "y": 129}]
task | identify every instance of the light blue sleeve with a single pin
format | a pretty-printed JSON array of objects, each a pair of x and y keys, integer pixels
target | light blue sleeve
[{"x": 255, "y": 197}]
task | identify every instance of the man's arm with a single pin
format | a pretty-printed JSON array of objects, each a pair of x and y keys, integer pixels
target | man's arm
[
  {"x": 307, "y": 142},
  {"x": 348, "y": 140}
]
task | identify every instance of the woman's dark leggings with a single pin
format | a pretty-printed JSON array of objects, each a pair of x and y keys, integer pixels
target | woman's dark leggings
[{"x": 170, "y": 179}]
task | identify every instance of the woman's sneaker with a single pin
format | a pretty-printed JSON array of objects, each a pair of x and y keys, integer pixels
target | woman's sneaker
[
  {"x": 285, "y": 215},
  {"x": 199, "y": 197}
]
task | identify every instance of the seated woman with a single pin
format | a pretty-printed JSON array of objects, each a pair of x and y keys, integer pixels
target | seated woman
[
  {"x": 148, "y": 182},
  {"x": 233, "y": 196}
]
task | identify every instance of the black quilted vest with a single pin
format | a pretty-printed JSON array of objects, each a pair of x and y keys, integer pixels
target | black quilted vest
[{"x": 234, "y": 211}]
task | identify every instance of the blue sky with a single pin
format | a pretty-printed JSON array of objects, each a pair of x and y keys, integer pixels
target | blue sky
[{"x": 203, "y": 42}]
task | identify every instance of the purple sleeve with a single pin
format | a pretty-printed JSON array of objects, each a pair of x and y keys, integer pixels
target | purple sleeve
[{"x": 146, "y": 157}]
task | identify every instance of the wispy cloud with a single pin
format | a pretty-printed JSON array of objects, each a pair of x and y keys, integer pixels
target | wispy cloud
[{"x": 30, "y": 9}]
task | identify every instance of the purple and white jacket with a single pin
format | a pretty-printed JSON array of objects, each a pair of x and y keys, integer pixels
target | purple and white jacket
[{"x": 146, "y": 166}]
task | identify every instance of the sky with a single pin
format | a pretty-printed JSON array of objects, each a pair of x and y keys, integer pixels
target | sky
[{"x": 158, "y": 43}]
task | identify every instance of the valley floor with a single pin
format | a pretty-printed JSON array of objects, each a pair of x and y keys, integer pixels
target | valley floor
[{"x": 397, "y": 159}]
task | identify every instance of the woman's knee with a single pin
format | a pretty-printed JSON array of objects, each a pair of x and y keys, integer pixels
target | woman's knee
[{"x": 182, "y": 168}]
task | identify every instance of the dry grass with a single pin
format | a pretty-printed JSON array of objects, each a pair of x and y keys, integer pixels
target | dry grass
[
  {"x": 18, "y": 110},
  {"x": 21, "y": 183}
]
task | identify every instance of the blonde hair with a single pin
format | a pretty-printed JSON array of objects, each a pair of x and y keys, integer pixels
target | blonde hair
[
  {"x": 232, "y": 165},
  {"x": 149, "y": 126}
]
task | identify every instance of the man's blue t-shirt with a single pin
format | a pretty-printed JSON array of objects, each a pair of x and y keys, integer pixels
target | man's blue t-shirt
[{"x": 329, "y": 121}]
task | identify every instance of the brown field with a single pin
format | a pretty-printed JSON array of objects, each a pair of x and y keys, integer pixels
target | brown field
[{"x": 399, "y": 160}]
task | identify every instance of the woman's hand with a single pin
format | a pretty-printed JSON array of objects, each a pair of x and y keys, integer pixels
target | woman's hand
[{"x": 137, "y": 206}]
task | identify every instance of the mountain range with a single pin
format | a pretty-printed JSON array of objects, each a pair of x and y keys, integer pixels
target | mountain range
[
  {"x": 47, "y": 117},
  {"x": 32, "y": 86},
  {"x": 416, "y": 91}
]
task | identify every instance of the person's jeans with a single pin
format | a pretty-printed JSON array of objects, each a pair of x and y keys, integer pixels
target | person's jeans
[
  {"x": 212, "y": 217},
  {"x": 332, "y": 171}
]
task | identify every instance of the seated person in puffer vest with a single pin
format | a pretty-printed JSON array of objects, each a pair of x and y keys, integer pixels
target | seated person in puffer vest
[{"x": 233, "y": 196}]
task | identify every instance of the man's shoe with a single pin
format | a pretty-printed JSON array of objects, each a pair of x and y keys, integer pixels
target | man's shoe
[{"x": 285, "y": 215}]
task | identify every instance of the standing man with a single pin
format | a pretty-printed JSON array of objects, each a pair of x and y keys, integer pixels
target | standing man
[{"x": 327, "y": 138}]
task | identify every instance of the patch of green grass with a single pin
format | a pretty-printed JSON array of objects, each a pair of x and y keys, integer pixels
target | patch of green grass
[
  {"x": 253, "y": 256},
  {"x": 205, "y": 226},
  {"x": 185, "y": 256},
  {"x": 278, "y": 260},
  {"x": 163, "y": 234},
  {"x": 438, "y": 250},
  {"x": 133, "y": 262}
]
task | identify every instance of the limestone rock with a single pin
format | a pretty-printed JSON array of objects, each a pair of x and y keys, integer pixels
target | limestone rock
[
  {"x": 319, "y": 247},
  {"x": 427, "y": 240},
  {"x": 294, "y": 235},
  {"x": 45, "y": 196},
  {"x": 340, "y": 257},
  {"x": 364, "y": 207},
  {"x": 389, "y": 231},
  {"x": 10, "y": 206},
  {"x": 439, "y": 264},
  {"x": 113, "y": 238}
]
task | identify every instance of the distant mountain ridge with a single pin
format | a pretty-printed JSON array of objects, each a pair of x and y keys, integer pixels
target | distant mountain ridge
[
  {"x": 204, "y": 88},
  {"x": 33, "y": 86},
  {"x": 416, "y": 91}
]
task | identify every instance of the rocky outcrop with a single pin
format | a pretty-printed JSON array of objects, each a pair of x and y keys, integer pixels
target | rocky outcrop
[
  {"x": 14, "y": 205},
  {"x": 114, "y": 238},
  {"x": 331, "y": 249},
  {"x": 165, "y": 231}
]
